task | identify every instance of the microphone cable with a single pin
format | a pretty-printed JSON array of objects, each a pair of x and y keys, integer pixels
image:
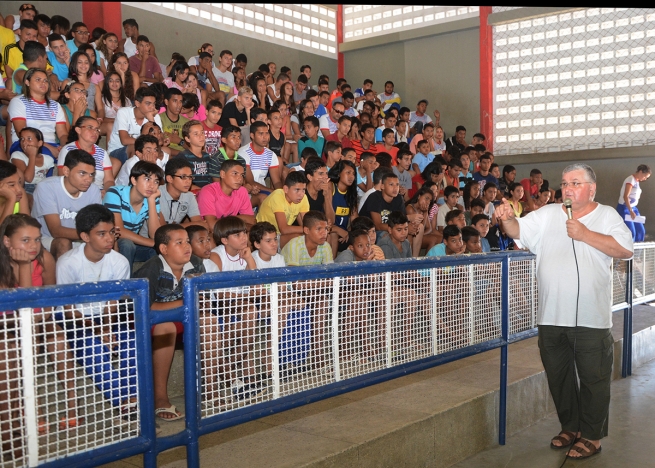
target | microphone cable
[{"x": 575, "y": 367}]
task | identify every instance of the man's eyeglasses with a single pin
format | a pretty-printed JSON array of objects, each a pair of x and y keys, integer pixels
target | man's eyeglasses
[
  {"x": 83, "y": 33},
  {"x": 574, "y": 185},
  {"x": 338, "y": 112},
  {"x": 184, "y": 177}
]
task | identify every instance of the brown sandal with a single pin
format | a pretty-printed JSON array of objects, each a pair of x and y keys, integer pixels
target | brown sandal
[
  {"x": 564, "y": 438},
  {"x": 591, "y": 450}
]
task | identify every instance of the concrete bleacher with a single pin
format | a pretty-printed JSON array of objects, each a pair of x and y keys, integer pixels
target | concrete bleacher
[{"x": 436, "y": 417}]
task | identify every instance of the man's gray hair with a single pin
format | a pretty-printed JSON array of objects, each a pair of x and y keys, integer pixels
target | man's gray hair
[{"x": 591, "y": 175}]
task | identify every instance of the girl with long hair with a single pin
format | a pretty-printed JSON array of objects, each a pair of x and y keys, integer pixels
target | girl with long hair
[
  {"x": 258, "y": 86},
  {"x": 192, "y": 86},
  {"x": 84, "y": 135},
  {"x": 96, "y": 75},
  {"x": 80, "y": 70},
  {"x": 36, "y": 98},
  {"x": 178, "y": 75},
  {"x": 24, "y": 263},
  {"x": 344, "y": 202},
  {"x": 73, "y": 99},
  {"x": 422, "y": 203},
  {"x": 112, "y": 98},
  {"x": 120, "y": 64},
  {"x": 106, "y": 49}
]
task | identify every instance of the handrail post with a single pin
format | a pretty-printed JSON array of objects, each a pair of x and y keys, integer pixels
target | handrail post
[
  {"x": 502, "y": 396},
  {"x": 192, "y": 373},
  {"x": 29, "y": 386},
  {"x": 626, "y": 362},
  {"x": 336, "y": 358}
]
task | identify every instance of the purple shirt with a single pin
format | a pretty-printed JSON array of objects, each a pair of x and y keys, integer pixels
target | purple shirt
[{"x": 152, "y": 66}]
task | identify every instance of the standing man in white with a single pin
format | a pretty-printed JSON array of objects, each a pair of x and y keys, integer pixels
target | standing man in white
[{"x": 574, "y": 252}]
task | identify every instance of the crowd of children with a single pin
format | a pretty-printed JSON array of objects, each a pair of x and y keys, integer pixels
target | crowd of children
[{"x": 210, "y": 169}]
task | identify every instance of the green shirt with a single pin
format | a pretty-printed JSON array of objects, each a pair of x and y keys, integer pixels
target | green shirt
[{"x": 169, "y": 126}]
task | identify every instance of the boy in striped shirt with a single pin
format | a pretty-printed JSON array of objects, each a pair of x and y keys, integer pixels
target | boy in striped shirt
[
  {"x": 133, "y": 205},
  {"x": 260, "y": 162}
]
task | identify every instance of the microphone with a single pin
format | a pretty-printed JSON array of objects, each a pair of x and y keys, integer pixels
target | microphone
[{"x": 567, "y": 205}]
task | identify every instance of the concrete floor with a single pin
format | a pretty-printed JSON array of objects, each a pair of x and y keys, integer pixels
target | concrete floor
[{"x": 630, "y": 443}]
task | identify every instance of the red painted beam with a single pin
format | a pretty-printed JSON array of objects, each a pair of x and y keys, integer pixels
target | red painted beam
[
  {"x": 92, "y": 14},
  {"x": 340, "y": 60},
  {"x": 112, "y": 17},
  {"x": 486, "y": 78},
  {"x": 106, "y": 15}
]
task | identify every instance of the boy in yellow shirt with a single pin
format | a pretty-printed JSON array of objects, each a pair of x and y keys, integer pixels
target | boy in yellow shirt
[{"x": 285, "y": 206}]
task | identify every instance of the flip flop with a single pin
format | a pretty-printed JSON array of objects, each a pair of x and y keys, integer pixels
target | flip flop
[
  {"x": 592, "y": 450},
  {"x": 564, "y": 438},
  {"x": 170, "y": 410}
]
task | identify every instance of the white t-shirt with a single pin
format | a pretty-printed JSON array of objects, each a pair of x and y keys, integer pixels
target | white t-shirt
[
  {"x": 210, "y": 266},
  {"x": 73, "y": 268},
  {"x": 635, "y": 191},
  {"x": 103, "y": 163},
  {"x": 232, "y": 264},
  {"x": 39, "y": 115},
  {"x": 129, "y": 48},
  {"x": 276, "y": 261},
  {"x": 126, "y": 121},
  {"x": 413, "y": 118},
  {"x": 543, "y": 232},
  {"x": 225, "y": 80},
  {"x": 326, "y": 123},
  {"x": 123, "y": 177},
  {"x": 51, "y": 197},
  {"x": 40, "y": 172},
  {"x": 441, "y": 214},
  {"x": 259, "y": 163},
  {"x": 363, "y": 199}
]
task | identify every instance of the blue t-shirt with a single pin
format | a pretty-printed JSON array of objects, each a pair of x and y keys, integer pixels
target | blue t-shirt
[
  {"x": 488, "y": 178},
  {"x": 60, "y": 69},
  {"x": 117, "y": 199},
  {"x": 422, "y": 160},
  {"x": 468, "y": 177},
  {"x": 438, "y": 250},
  {"x": 320, "y": 110},
  {"x": 485, "y": 245},
  {"x": 73, "y": 48}
]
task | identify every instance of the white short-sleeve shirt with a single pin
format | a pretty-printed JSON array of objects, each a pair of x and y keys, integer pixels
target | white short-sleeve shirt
[
  {"x": 103, "y": 163},
  {"x": 543, "y": 232},
  {"x": 126, "y": 121}
]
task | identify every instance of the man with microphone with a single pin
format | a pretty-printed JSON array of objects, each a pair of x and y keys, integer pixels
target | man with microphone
[{"x": 575, "y": 245}]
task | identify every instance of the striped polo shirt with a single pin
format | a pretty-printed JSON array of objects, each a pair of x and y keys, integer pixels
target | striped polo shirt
[
  {"x": 42, "y": 115},
  {"x": 117, "y": 199},
  {"x": 259, "y": 163}
]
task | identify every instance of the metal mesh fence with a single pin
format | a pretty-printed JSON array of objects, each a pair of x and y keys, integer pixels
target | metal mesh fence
[
  {"x": 523, "y": 298},
  {"x": 267, "y": 341},
  {"x": 574, "y": 80},
  {"x": 620, "y": 280},
  {"x": 70, "y": 381}
]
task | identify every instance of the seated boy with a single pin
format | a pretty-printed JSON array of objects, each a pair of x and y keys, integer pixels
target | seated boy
[
  {"x": 285, "y": 206},
  {"x": 359, "y": 248},
  {"x": 477, "y": 207},
  {"x": 394, "y": 244},
  {"x": 312, "y": 248},
  {"x": 450, "y": 195},
  {"x": 171, "y": 120},
  {"x": 367, "y": 165},
  {"x": 471, "y": 239},
  {"x": 452, "y": 243},
  {"x": 165, "y": 273},
  {"x": 239, "y": 316},
  {"x": 211, "y": 127},
  {"x": 102, "y": 333},
  {"x": 456, "y": 217},
  {"x": 58, "y": 199},
  {"x": 227, "y": 197},
  {"x": 349, "y": 154},
  {"x": 423, "y": 156},
  {"x": 136, "y": 204},
  {"x": 204, "y": 166},
  {"x": 367, "y": 224},
  {"x": 177, "y": 202},
  {"x": 201, "y": 246},
  {"x": 404, "y": 172},
  {"x": 481, "y": 223},
  {"x": 146, "y": 148}
]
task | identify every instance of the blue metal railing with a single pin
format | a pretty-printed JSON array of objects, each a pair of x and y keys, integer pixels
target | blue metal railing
[{"x": 150, "y": 446}]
